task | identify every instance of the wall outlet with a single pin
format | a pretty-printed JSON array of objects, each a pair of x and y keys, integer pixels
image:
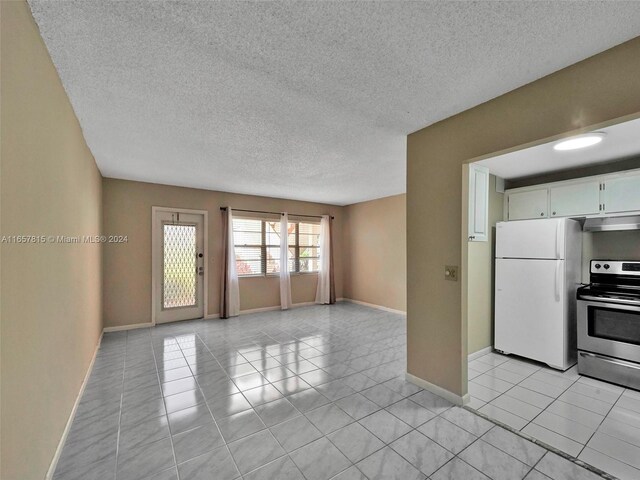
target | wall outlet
[{"x": 451, "y": 273}]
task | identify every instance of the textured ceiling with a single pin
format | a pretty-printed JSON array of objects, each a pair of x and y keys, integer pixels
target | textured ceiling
[{"x": 301, "y": 100}]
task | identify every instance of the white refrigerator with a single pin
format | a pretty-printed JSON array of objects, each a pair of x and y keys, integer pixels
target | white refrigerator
[{"x": 538, "y": 269}]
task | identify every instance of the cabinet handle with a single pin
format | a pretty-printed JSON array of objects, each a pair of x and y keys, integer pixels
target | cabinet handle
[
  {"x": 542, "y": 214},
  {"x": 472, "y": 237},
  {"x": 554, "y": 213}
]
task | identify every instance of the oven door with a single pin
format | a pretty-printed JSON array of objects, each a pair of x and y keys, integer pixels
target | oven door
[{"x": 610, "y": 329}]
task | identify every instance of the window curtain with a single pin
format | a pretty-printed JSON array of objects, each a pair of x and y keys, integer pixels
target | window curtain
[
  {"x": 326, "y": 286},
  {"x": 285, "y": 277},
  {"x": 229, "y": 291}
]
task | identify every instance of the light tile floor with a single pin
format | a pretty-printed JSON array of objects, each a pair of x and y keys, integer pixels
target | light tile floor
[
  {"x": 595, "y": 421},
  {"x": 312, "y": 393}
]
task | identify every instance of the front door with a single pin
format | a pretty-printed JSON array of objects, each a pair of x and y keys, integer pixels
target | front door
[{"x": 180, "y": 266}]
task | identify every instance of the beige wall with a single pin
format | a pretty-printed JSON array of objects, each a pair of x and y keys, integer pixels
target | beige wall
[
  {"x": 598, "y": 89},
  {"x": 127, "y": 267},
  {"x": 51, "y": 294},
  {"x": 375, "y": 253},
  {"x": 480, "y": 278}
]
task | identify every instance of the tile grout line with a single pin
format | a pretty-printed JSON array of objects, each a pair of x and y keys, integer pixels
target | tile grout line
[
  {"x": 385, "y": 444},
  {"x": 437, "y": 415},
  {"x": 124, "y": 369},
  {"x": 493, "y": 367},
  {"x": 333, "y": 378},
  {"x": 288, "y": 454},
  {"x": 545, "y": 409},
  {"x": 598, "y": 428},
  {"x": 514, "y": 385},
  {"x": 604, "y": 417},
  {"x": 544, "y": 445},
  {"x": 332, "y": 402},
  {"x": 377, "y": 371},
  {"x": 583, "y": 446},
  {"x": 155, "y": 363},
  {"x": 480, "y": 437},
  {"x": 226, "y": 444},
  {"x": 536, "y": 464}
]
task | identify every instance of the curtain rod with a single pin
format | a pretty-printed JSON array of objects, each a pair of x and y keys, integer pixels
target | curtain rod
[{"x": 274, "y": 213}]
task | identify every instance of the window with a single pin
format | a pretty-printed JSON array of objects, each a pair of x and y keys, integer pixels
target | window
[
  {"x": 257, "y": 245},
  {"x": 307, "y": 247}
]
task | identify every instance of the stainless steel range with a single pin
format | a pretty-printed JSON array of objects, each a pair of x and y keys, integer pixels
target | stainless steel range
[{"x": 609, "y": 323}]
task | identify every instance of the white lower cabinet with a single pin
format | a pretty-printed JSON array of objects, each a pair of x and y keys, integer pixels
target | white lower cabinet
[
  {"x": 528, "y": 205},
  {"x": 575, "y": 199}
]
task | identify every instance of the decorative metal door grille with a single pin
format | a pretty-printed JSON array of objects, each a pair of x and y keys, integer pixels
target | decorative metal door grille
[{"x": 180, "y": 276}]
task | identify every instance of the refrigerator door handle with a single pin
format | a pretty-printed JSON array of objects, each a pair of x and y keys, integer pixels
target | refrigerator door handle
[
  {"x": 557, "y": 286},
  {"x": 558, "y": 241}
]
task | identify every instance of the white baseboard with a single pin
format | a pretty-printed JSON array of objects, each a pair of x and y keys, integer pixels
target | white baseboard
[
  {"x": 275, "y": 307},
  {"x": 133, "y": 326},
  {"x": 480, "y": 353},
  {"x": 259, "y": 310},
  {"x": 72, "y": 415},
  {"x": 211, "y": 316},
  {"x": 441, "y": 392},
  {"x": 303, "y": 304},
  {"x": 372, "y": 305}
]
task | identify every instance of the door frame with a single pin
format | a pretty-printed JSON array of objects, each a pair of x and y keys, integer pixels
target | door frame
[{"x": 155, "y": 255}]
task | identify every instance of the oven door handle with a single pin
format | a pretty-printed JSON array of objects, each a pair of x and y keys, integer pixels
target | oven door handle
[
  {"x": 609, "y": 300},
  {"x": 558, "y": 264}
]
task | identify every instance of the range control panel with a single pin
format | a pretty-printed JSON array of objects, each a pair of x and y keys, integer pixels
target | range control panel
[{"x": 616, "y": 267}]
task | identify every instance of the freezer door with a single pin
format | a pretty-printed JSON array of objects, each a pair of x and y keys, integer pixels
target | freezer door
[
  {"x": 531, "y": 239},
  {"x": 530, "y": 309}
]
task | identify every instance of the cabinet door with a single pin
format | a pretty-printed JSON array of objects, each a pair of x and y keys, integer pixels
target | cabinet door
[
  {"x": 478, "y": 203},
  {"x": 622, "y": 194},
  {"x": 575, "y": 199},
  {"x": 528, "y": 205}
]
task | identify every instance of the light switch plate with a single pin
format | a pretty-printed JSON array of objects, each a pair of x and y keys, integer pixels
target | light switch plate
[{"x": 451, "y": 273}]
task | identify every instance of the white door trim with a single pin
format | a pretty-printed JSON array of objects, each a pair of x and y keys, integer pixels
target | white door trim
[{"x": 155, "y": 254}]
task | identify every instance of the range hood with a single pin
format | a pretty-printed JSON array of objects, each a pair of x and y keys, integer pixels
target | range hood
[{"x": 609, "y": 224}]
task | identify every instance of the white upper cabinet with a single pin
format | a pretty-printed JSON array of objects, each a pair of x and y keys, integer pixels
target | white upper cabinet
[
  {"x": 478, "y": 203},
  {"x": 610, "y": 194},
  {"x": 528, "y": 205},
  {"x": 574, "y": 199},
  {"x": 622, "y": 194}
]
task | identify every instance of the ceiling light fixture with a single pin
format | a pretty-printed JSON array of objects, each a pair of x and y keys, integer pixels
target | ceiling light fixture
[{"x": 580, "y": 141}]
